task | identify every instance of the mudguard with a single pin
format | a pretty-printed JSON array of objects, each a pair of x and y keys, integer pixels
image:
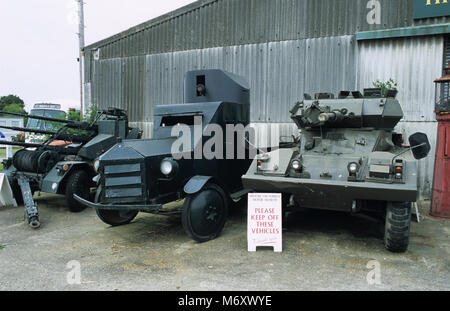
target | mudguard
[
  {"x": 53, "y": 180},
  {"x": 196, "y": 183}
]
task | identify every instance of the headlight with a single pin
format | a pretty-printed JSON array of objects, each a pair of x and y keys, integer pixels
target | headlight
[
  {"x": 96, "y": 165},
  {"x": 169, "y": 167},
  {"x": 296, "y": 165},
  {"x": 353, "y": 168}
]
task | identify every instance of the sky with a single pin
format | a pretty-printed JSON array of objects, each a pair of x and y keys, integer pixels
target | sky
[{"x": 39, "y": 42}]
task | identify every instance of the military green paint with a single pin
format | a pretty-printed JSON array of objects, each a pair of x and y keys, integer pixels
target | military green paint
[
  {"x": 431, "y": 8},
  {"x": 53, "y": 177},
  {"x": 338, "y": 132}
]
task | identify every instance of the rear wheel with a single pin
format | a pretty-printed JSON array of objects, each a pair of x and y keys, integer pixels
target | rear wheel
[
  {"x": 205, "y": 213},
  {"x": 79, "y": 184},
  {"x": 398, "y": 227}
]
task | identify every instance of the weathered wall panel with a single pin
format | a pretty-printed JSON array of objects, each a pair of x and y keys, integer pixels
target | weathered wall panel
[
  {"x": 279, "y": 74},
  {"x": 426, "y": 166},
  {"x": 106, "y": 86},
  {"x": 414, "y": 63}
]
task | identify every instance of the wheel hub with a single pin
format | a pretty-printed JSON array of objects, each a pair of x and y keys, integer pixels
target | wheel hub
[{"x": 212, "y": 213}]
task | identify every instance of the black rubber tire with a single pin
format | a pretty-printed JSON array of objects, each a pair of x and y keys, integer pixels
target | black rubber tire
[
  {"x": 114, "y": 218},
  {"x": 398, "y": 227},
  {"x": 78, "y": 183},
  {"x": 211, "y": 200}
]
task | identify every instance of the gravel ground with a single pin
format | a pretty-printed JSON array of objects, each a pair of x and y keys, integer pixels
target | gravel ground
[{"x": 322, "y": 251}]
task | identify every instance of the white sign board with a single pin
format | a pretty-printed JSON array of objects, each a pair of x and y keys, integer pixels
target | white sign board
[
  {"x": 264, "y": 221},
  {"x": 6, "y": 194}
]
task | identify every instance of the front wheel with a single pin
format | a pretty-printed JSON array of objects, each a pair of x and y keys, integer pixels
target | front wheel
[
  {"x": 205, "y": 213},
  {"x": 398, "y": 227},
  {"x": 116, "y": 218},
  {"x": 111, "y": 217},
  {"x": 79, "y": 184}
]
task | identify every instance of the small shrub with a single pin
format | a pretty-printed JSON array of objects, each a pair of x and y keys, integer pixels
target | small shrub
[{"x": 386, "y": 86}]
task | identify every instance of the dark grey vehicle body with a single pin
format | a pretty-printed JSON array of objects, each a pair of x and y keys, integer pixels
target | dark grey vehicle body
[
  {"x": 130, "y": 175},
  {"x": 352, "y": 131},
  {"x": 49, "y": 168}
]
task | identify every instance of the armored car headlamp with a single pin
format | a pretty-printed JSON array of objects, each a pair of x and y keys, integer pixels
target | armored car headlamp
[
  {"x": 296, "y": 165},
  {"x": 169, "y": 167},
  {"x": 353, "y": 168},
  {"x": 96, "y": 165}
]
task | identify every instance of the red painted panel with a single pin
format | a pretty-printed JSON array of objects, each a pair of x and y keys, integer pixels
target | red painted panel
[
  {"x": 441, "y": 184},
  {"x": 447, "y": 142}
]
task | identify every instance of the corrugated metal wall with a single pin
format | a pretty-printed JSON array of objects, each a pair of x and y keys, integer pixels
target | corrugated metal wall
[
  {"x": 279, "y": 74},
  {"x": 447, "y": 51},
  {"x": 214, "y": 23},
  {"x": 414, "y": 63},
  {"x": 447, "y": 62}
]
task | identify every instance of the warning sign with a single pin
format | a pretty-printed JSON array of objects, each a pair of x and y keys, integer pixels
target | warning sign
[{"x": 264, "y": 221}]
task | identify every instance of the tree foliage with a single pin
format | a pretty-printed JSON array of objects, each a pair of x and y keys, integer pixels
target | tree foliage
[
  {"x": 15, "y": 108},
  {"x": 74, "y": 115},
  {"x": 11, "y": 100}
]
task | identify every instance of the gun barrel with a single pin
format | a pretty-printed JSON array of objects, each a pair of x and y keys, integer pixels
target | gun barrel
[
  {"x": 331, "y": 117},
  {"x": 69, "y": 123},
  {"x": 57, "y": 136},
  {"x": 23, "y": 129}
]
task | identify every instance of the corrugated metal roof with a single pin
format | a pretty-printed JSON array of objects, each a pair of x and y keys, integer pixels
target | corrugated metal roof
[{"x": 213, "y": 23}]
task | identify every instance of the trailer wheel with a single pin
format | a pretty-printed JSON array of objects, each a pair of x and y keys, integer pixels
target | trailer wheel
[
  {"x": 115, "y": 218},
  {"x": 398, "y": 227},
  {"x": 205, "y": 213},
  {"x": 79, "y": 184}
]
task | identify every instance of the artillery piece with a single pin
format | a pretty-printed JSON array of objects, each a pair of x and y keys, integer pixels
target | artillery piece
[
  {"x": 348, "y": 159},
  {"x": 64, "y": 164}
]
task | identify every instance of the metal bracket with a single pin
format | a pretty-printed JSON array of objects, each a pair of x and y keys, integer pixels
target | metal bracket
[{"x": 31, "y": 211}]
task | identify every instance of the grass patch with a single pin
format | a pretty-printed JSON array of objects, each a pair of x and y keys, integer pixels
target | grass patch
[
  {"x": 3, "y": 155},
  {"x": 3, "y": 151},
  {"x": 2, "y": 246}
]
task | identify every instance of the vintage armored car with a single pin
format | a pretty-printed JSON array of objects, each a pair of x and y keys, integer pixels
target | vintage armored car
[{"x": 348, "y": 159}]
